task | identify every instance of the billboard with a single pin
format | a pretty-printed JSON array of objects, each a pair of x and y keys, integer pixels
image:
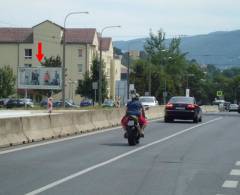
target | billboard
[{"x": 40, "y": 78}]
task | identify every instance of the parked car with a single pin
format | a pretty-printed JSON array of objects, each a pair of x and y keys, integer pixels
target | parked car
[
  {"x": 86, "y": 102},
  {"x": 3, "y": 102},
  {"x": 15, "y": 103},
  {"x": 181, "y": 107},
  {"x": 108, "y": 103},
  {"x": 68, "y": 104},
  {"x": 28, "y": 102},
  {"x": 148, "y": 101},
  {"x": 233, "y": 107},
  {"x": 44, "y": 102}
]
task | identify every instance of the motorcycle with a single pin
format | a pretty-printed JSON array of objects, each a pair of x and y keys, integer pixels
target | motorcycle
[{"x": 132, "y": 130}]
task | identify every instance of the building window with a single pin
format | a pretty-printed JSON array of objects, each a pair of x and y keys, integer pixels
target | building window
[
  {"x": 80, "y": 52},
  {"x": 28, "y": 53},
  {"x": 27, "y": 65},
  {"x": 80, "y": 68}
]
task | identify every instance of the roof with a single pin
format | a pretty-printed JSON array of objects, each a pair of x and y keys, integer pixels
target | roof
[
  {"x": 80, "y": 35},
  {"x": 25, "y": 35},
  {"x": 73, "y": 35},
  {"x": 124, "y": 69},
  {"x": 49, "y": 22},
  {"x": 106, "y": 43},
  {"x": 16, "y": 35}
]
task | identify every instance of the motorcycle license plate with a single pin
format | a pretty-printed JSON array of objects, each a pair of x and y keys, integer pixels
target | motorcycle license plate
[{"x": 130, "y": 123}]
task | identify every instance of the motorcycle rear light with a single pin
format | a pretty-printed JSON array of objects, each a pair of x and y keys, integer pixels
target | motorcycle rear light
[
  {"x": 169, "y": 106},
  {"x": 191, "y": 106}
]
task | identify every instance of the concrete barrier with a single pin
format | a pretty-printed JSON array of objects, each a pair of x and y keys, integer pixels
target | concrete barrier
[
  {"x": 11, "y": 132},
  {"x": 114, "y": 116},
  {"x": 37, "y": 127},
  {"x": 34, "y": 128},
  {"x": 213, "y": 108},
  {"x": 99, "y": 119},
  {"x": 155, "y": 112},
  {"x": 62, "y": 124},
  {"x": 83, "y": 121}
]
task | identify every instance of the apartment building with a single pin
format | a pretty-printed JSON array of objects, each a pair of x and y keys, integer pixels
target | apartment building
[{"x": 18, "y": 48}]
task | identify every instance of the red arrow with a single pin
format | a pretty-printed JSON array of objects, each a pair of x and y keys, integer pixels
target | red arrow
[{"x": 39, "y": 55}]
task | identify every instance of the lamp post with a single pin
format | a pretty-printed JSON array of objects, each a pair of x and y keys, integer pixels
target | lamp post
[
  {"x": 100, "y": 65},
  {"x": 64, "y": 53}
]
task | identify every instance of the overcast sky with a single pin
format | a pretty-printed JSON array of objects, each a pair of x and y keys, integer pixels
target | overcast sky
[{"x": 137, "y": 17}]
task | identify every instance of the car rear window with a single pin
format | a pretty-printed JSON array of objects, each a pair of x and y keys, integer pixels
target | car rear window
[
  {"x": 146, "y": 99},
  {"x": 186, "y": 100}
]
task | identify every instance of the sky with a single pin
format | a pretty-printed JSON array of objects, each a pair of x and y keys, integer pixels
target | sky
[{"x": 136, "y": 17}]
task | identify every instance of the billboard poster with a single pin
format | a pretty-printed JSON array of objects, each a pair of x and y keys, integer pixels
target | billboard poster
[{"x": 40, "y": 78}]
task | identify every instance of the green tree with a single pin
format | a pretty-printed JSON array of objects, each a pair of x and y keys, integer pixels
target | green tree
[
  {"x": 52, "y": 62},
  {"x": 7, "y": 81},
  {"x": 85, "y": 86}
]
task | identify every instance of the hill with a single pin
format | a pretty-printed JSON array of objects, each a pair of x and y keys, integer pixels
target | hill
[{"x": 220, "y": 48}]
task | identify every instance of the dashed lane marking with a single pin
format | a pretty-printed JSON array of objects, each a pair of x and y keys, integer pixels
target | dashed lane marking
[
  {"x": 230, "y": 184},
  {"x": 235, "y": 172},
  {"x": 237, "y": 163}
]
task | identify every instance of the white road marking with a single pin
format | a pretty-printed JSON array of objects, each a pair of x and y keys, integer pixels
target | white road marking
[
  {"x": 235, "y": 172},
  {"x": 230, "y": 184},
  {"x": 237, "y": 163},
  {"x": 77, "y": 174},
  {"x": 62, "y": 139}
]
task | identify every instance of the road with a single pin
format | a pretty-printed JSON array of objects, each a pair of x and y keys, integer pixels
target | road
[{"x": 179, "y": 158}]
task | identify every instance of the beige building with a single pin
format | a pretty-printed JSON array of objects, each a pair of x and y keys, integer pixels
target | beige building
[{"x": 18, "y": 48}]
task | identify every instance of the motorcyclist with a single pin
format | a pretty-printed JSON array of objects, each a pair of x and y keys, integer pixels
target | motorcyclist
[{"x": 135, "y": 107}]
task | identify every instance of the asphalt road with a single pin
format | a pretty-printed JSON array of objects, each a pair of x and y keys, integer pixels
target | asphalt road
[{"x": 180, "y": 158}]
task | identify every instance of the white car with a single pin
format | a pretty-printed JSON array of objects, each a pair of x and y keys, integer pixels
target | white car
[
  {"x": 29, "y": 103},
  {"x": 148, "y": 101},
  {"x": 233, "y": 107}
]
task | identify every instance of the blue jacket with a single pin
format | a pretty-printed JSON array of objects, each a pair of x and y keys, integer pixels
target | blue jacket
[{"x": 134, "y": 108}]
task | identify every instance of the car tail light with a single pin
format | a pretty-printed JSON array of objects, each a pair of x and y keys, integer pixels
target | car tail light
[
  {"x": 169, "y": 106},
  {"x": 191, "y": 106}
]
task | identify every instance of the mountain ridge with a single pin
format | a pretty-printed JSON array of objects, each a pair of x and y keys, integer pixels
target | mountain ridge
[{"x": 220, "y": 48}]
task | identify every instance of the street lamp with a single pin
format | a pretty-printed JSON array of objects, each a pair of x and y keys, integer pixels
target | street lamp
[
  {"x": 64, "y": 50},
  {"x": 100, "y": 65}
]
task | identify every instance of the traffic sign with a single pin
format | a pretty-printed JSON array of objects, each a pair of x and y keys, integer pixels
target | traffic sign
[
  {"x": 95, "y": 85},
  {"x": 219, "y": 93}
]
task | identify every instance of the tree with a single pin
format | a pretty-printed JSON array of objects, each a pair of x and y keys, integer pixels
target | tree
[
  {"x": 7, "y": 81},
  {"x": 85, "y": 86},
  {"x": 52, "y": 62}
]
